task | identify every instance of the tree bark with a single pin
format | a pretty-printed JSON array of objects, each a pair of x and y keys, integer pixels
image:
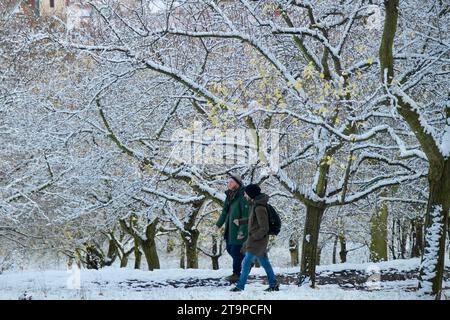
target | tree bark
[
  {"x": 378, "y": 235},
  {"x": 189, "y": 235},
  {"x": 137, "y": 256},
  {"x": 147, "y": 244},
  {"x": 182, "y": 255},
  {"x": 215, "y": 262},
  {"x": 149, "y": 247},
  {"x": 403, "y": 238},
  {"x": 190, "y": 243},
  {"x": 216, "y": 252},
  {"x": 343, "y": 245},
  {"x": 111, "y": 254},
  {"x": 448, "y": 230},
  {"x": 318, "y": 255},
  {"x": 293, "y": 251},
  {"x": 120, "y": 249},
  {"x": 310, "y": 245},
  {"x": 436, "y": 223},
  {"x": 392, "y": 246},
  {"x": 387, "y": 43},
  {"x": 417, "y": 238},
  {"x": 151, "y": 255},
  {"x": 124, "y": 261},
  {"x": 170, "y": 245},
  {"x": 94, "y": 258},
  {"x": 336, "y": 238}
]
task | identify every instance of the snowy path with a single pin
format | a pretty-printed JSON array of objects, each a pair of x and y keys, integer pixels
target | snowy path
[{"x": 387, "y": 280}]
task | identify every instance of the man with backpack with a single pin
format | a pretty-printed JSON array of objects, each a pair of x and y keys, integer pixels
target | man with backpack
[{"x": 258, "y": 236}]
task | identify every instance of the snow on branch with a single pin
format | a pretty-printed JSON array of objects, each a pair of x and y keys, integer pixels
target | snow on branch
[
  {"x": 425, "y": 132},
  {"x": 347, "y": 29},
  {"x": 306, "y": 31},
  {"x": 185, "y": 175},
  {"x": 318, "y": 122},
  {"x": 405, "y": 153},
  {"x": 248, "y": 39},
  {"x": 173, "y": 197},
  {"x": 336, "y": 200}
]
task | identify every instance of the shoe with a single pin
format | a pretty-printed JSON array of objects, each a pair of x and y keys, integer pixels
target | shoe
[
  {"x": 233, "y": 278},
  {"x": 274, "y": 288},
  {"x": 236, "y": 289}
]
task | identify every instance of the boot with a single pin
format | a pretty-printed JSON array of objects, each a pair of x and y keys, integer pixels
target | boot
[
  {"x": 233, "y": 278},
  {"x": 274, "y": 288},
  {"x": 236, "y": 289}
]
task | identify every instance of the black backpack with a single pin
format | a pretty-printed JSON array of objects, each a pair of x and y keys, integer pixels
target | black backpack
[{"x": 274, "y": 220}]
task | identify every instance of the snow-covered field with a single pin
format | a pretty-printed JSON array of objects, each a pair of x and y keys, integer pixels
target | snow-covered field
[{"x": 115, "y": 283}]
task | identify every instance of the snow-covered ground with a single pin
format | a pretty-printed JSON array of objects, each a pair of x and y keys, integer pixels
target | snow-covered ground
[{"x": 115, "y": 283}]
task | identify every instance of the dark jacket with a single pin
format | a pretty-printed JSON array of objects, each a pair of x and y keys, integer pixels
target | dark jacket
[
  {"x": 235, "y": 208},
  {"x": 258, "y": 226}
]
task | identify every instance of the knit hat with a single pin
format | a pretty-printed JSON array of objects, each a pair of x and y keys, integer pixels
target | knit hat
[
  {"x": 236, "y": 178},
  {"x": 252, "y": 190}
]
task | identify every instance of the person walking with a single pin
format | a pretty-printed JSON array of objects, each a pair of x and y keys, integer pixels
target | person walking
[
  {"x": 235, "y": 207},
  {"x": 255, "y": 246}
]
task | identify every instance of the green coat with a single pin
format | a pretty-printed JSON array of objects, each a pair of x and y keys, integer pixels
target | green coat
[{"x": 238, "y": 210}]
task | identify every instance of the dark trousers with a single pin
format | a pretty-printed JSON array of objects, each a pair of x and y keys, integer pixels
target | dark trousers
[{"x": 234, "y": 250}]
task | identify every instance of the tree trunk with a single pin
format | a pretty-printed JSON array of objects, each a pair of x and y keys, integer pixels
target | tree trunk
[
  {"x": 182, "y": 255},
  {"x": 448, "y": 230},
  {"x": 190, "y": 234},
  {"x": 151, "y": 255},
  {"x": 124, "y": 257},
  {"x": 343, "y": 244},
  {"x": 403, "y": 238},
  {"x": 95, "y": 258},
  {"x": 216, "y": 252},
  {"x": 137, "y": 256},
  {"x": 378, "y": 234},
  {"x": 147, "y": 244},
  {"x": 318, "y": 255},
  {"x": 293, "y": 251},
  {"x": 436, "y": 223},
  {"x": 215, "y": 262},
  {"x": 334, "y": 249},
  {"x": 78, "y": 258},
  {"x": 387, "y": 42},
  {"x": 124, "y": 261},
  {"x": 190, "y": 242},
  {"x": 392, "y": 246},
  {"x": 111, "y": 255},
  {"x": 310, "y": 245},
  {"x": 170, "y": 245},
  {"x": 417, "y": 238}
]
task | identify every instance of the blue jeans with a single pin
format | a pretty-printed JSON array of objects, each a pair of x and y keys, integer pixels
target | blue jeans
[
  {"x": 234, "y": 251},
  {"x": 247, "y": 267}
]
